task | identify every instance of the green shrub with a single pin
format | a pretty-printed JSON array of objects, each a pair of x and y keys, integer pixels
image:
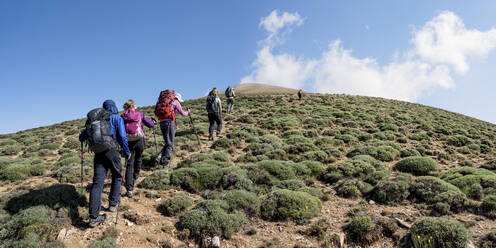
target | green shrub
[
  {"x": 416, "y": 165},
  {"x": 210, "y": 217},
  {"x": 352, "y": 188},
  {"x": 72, "y": 143},
  {"x": 490, "y": 165},
  {"x": 243, "y": 200},
  {"x": 488, "y": 241},
  {"x": 7, "y": 142},
  {"x": 11, "y": 149},
  {"x": 187, "y": 178},
  {"x": 50, "y": 146},
  {"x": 316, "y": 156},
  {"x": 360, "y": 229},
  {"x": 419, "y": 136},
  {"x": 175, "y": 205},
  {"x": 283, "y": 204},
  {"x": 362, "y": 167},
  {"x": 445, "y": 231},
  {"x": 279, "y": 169},
  {"x": 382, "y": 153},
  {"x": 409, "y": 153},
  {"x": 470, "y": 180},
  {"x": 104, "y": 243},
  {"x": 30, "y": 227},
  {"x": 235, "y": 177},
  {"x": 488, "y": 206},
  {"x": 222, "y": 143},
  {"x": 458, "y": 140},
  {"x": 315, "y": 167},
  {"x": 392, "y": 191},
  {"x": 21, "y": 170},
  {"x": 434, "y": 190},
  {"x": 158, "y": 181}
]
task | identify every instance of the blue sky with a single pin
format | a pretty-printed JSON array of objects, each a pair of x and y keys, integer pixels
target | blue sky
[{"x": 59, "y": 59}]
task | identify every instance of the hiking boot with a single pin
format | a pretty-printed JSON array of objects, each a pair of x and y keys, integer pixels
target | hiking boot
[
  {"x": 113, "y": 208},
  {"x": 98, "y": 220},
  {"x": 158, "y": 159},
  {"x": 129, "y": 194},
  {"x": 210, "y": 138}
]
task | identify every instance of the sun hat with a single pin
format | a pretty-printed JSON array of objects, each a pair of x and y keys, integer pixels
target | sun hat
[{"x": 179, "y": 97}]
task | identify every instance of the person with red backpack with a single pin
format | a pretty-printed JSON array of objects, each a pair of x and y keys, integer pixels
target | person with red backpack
[
  {"x": 167, "y": 105},
  {"x": 133, "y": 121}
]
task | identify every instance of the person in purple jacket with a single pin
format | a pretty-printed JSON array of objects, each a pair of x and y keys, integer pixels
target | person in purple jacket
[
  {"x": 105, "y": 161},
  {"x": 134, "y": 121},
  {"x": 168, "y": 128}
]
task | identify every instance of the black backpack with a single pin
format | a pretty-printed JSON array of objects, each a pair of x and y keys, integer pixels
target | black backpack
[
  {"x": 211, "y": 105},
  {"x": 98, "y": 130},
  {"x": 229, "y": 92}
]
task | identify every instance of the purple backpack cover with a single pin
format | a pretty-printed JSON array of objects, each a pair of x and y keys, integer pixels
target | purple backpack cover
[{"x": 134, "y": 127}]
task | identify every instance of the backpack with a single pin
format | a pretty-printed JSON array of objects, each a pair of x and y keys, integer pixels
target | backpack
[
  {"x": 134, "y": 128},
  {"x": 98, "y": 129},
  {"x": 211, "y": 104},
  {"x": 229, "y": 92},
  {"x": 163, "y": 108}
]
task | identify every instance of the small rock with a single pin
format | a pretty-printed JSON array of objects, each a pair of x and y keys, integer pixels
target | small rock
[
  {"x": 129, "y": 223},
  {"x": 341, "y": 240},
  {"x": 470, "y": 244},
  {"x": 371, "y": 202},
  {"x": 216, "y": 242},
  {"x": 402, "y": 223},
  {"x": 62, "y": 234}
]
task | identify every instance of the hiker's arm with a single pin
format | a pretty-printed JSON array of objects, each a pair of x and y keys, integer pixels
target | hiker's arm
[
  {"x": 180, "y": 109},
  {"x": 120, "y": 131},
  {"x": 147, "y": 121},
  {"x": 83, "y": 136}
]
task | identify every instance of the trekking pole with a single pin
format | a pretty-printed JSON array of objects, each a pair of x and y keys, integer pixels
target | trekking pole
[
  {"x": 155, "y": 136},
  {"x": 117, "y": 214},
  {"x": 82, "y": 163},
  {"x": 194, "y": 129}
]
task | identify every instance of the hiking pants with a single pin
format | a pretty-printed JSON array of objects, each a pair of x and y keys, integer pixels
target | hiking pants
[
  {"x": 214, "y": 118},
  {"x": 133, "y": 165},
  {"x": 230, "y": 104},
  {"x": 168, "y": 132},
  {"x": 103, "y": 162}
]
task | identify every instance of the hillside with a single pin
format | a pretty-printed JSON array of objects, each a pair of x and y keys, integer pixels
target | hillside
[
  {"x": 365, "y": 170},
  {"x": 255, "y": 88}
]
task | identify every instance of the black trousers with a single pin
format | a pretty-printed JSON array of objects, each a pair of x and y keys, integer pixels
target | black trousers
[
  {"x": 214, "y": 118},
  {"x": 168, "y": 131},
  {"x": 103, "y": 162},
  {"x": 133, "y": 165}
]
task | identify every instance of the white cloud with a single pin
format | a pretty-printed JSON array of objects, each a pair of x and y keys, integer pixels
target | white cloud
[
  {"x": 275, "y": 23},
  {"x": 445, "y": 40},
  {"x": 439, "y": 46}
]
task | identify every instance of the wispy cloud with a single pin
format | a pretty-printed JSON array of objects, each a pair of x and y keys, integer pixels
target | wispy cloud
[{"x": 440, "y": 47}]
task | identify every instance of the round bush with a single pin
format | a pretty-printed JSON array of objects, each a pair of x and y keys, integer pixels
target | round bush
[
  {"x": 283, "y": 204},
  {"x": 488, "y": 241},
  {"x": 391, "y": 191},
  {"x": 243, "y": 200},
  {"x": 157, "y": 181},
  {"x": 222, "y": 143},
  {"x": 360, "y": 230},
  {"x": 445, "y": 232},
  {"x": 488, "y": 206},
  {"x": 416, "y": 165},
  {"x": 409, "y": 153},
  {"x": 175, "y": 205}
]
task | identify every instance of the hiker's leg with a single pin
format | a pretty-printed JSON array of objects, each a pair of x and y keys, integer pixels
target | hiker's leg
[
  {"x": 99, "y": 174},
  {"x": 130, "y": 164},
  {"x": 115, "y": 167},
  {"x": 218, "y": 119},
  {"x": 138, "y": 159},
  {"x": 164, "y": 127},
  {"x": 168, "y": 132},
  {"x": 211, "y": 120}
]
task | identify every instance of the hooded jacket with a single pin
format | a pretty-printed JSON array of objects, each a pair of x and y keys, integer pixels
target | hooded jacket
[{"x": 117, "y": 128}]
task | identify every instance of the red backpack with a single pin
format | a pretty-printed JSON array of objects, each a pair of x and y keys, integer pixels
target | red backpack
[{"x": 163, "y": 108}]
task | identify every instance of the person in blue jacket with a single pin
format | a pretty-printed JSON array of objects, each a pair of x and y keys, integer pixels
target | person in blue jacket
[{"x": 105, "y": 161}]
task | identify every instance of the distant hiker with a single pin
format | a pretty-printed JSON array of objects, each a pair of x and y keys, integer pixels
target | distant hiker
[
  {"x": 300, "y": 95},
  {"x": 105, "y": 131},
  {"x": 133, "y": 121},
  {"x": 167, "y": 105},
  {"x": 230, "y": 99},
  {"x": 214, "y": 110}
]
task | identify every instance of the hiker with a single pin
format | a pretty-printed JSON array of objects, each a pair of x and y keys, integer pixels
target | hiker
[
  {"x": 214, "y": 110},
  {"x": 230, "y": 99},
  {"x": 133, "y": 121},
  {"x": 105, "y": 131},
  {"x": 300, "y": 95},
  {"x": 167, "y": 105}
]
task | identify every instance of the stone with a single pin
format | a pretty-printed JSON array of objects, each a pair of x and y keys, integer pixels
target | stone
[
  {"x": 216, "y": 242},
  {"x": 62, "y": 234}
]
